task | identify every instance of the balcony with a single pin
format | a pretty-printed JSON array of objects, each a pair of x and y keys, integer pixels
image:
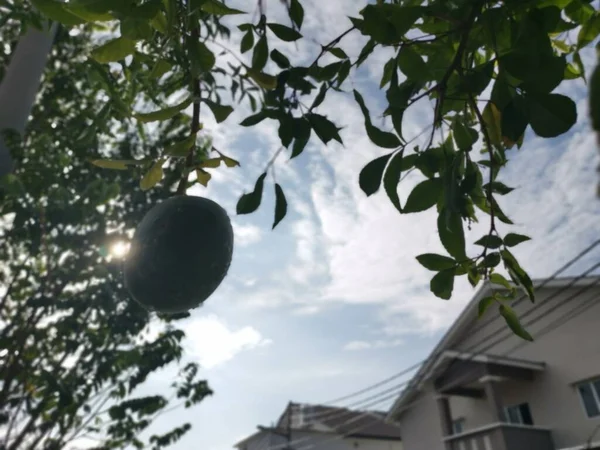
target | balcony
[{"x": 501, "y": 436}]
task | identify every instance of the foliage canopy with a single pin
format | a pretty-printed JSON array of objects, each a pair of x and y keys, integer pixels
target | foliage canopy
[
  {"x": 75, "y": 353},
  {"x": 448, "y": 52}
]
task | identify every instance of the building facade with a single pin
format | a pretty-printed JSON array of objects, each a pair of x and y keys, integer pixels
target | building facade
[{"x": 484, "y": 388}]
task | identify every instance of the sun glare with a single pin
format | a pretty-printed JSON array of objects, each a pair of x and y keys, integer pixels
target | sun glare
[{"x": 119, "y": 249}]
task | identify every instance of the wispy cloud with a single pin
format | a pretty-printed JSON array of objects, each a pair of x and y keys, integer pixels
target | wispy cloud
[
  {"x": 212, "y": 342},
  {"x": 370, "y": 345}
]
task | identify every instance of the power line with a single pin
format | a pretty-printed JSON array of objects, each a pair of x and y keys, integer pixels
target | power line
[
  {"x": 395, "y": 376},
  {"x": 541, "y": 285},
  {"x": 569, "y": 315},
  {"x": 397, "y": 389},
  {"x": 592, "y": 301},
  {"x": 336, "y": 414},
  {"x": 560, "y": 320}
]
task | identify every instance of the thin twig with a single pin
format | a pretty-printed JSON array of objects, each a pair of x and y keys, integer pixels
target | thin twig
[
  {"x": 326, "y": 48},
  {"x": 189, "y": 161}
]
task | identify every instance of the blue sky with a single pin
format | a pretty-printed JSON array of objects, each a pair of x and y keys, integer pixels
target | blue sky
[{"x": 333, "y": 299}]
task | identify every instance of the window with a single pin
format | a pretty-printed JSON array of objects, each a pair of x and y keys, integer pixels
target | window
[
  {"x": 590, "y": 396},
  {"x": 458, "y": 426},
  {"x": 518, "y": 414}
]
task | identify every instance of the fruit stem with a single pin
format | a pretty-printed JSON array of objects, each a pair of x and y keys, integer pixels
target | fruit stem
[{"x": 189, "y": 161}]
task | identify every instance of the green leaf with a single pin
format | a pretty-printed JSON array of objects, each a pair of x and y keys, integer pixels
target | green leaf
[
  {"x": 57, "y": 12},
  {"x": 579, "y": 11},
  {"x": 320, "y": 97},
  {"x": 148, "y": 10},
  {"x": 247, "y": 41},
  {"x": 388, "y": 72},
  {"x": 248, "y": 203},
  {"x": 391, "y": 177},
  {"x": 264, "y": 80},
  {"x": 484, "y": 304},
  {"x": 113, "y": 50},
  {"x": 442, "y": 284},
  {"x": 163, "y": 114},
  {"x": 491, "y": 260},
  {"x": 378, "y": 137},
  {"x": 338, "y": 52},
  {"x": 218, "y": 8},
  {"x": 498, "y": 279},
  {"x": 512, "y": 239},
  {"x": 324, "y": 128},
  {"x": 514, "y": 119},
  {"x": 424, "y": 195},
  {"x": 589, "y": 31},
  {"x": 464, "y": 136},
  {"x": 254, "y": 119},
  {"x": 280, "y": 205},
  {"x": 260, "y": 54},
  {"x": 280, "y": 59},
  {"x": 182, "y": 148},
  {"x": 160, "y": 68},
  {"x": 432, "y": 261},
  {"x": 286, "y": 129},
  {"x": 551, "y": 115},
  {"x": 513, "y": 322},
  {"x": 498, "y": 188},
  {"x": 412, "y": 65},
  {"x": 404, "y": 17},
  {"x": 490, "y": 241},
  {"x": 296, "y": 13},
  {"x": 116, "y": 164},
  {"x": 211, "y": 163},
  {"x": 370, "y": 176},
  {"x": 153, "y": 176},
  {"x": 492, "y": 122},
  {"x": 201, "y": 58},
  {"x": 284, "y": 33},
  {"x": 84, "y": 13},
  {"x": 302, "y": 132},
  {"x": 452, "y": 234},
  {"x": 135, "y": 29},
  {"x": 230, "y": 162},
  {"x": 221, "y": 112},
  {"x": 203, "y": 177},
  {"x": 511, "y": 264}
]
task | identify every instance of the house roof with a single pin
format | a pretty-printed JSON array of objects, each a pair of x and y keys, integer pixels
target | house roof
[
  {"x": 335, "y": 421},
  {"x": 367, "y": 424},
  {"x": 459, "y": 326}
]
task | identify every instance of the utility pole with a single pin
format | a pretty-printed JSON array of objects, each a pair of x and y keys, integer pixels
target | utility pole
[{"x": 20, "y": 84}]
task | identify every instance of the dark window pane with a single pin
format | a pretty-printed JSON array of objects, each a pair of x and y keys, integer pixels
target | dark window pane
[
  {"x": 458, "y": 426},
  {"x": 512, "y": 414},
  {"x": 526, "y": 414},
  {"x": 589, "y": 401},
  {"x": 597, "y": 388}
]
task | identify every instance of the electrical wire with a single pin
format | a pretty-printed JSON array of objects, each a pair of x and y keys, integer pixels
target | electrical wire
[
  {"x": 592, "y": 301},
  {"x": 397, "y": 389},
  {"x": 488, "y": 322},
  {"x": 336, "y": 414}
]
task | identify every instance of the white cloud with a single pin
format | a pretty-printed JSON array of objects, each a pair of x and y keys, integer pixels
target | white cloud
[
  {"x": 213, "y": 343},
  {"x": 370, "y": 345},
  {"x": 246, "y": 234}
]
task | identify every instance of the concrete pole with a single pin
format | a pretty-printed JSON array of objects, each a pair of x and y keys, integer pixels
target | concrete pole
[{"x": 20, "y": 85}]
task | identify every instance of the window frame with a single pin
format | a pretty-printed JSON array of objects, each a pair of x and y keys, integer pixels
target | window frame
[{"x": 595, "y": 394}]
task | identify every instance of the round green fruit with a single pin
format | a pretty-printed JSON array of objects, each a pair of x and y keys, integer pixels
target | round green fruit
[{"x": 179, "y": 255}]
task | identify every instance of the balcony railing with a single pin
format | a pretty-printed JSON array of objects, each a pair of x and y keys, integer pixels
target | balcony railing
[{"x": 502, "y": 436}]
